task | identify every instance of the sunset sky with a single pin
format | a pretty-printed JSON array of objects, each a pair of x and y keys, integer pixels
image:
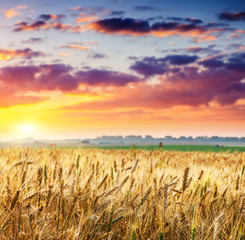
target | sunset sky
[{"x": 77, "y": 69}]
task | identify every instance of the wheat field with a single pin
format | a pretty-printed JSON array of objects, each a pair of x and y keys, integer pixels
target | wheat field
[{"x": 121, "y": 194}]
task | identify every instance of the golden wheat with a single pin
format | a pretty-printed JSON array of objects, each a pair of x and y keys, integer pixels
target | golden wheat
[{"x": 91, "y": 194}]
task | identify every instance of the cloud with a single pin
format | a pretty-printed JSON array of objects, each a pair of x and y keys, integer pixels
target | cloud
[
  {"x": 21, "y": 26},
  {"x": 240, "y": 31},
  {"x": 187, "y": 19},
  {"x": 104, "y": 77},
  {"x": 180, "y": 59},
  {"x": 44, "y": 21},
  {"x": 236, "y": 66},
  {"x": 64, "y": 54},
  {"x": 87, "y": 9},
  {"x": 181, "y": 80},
  {"x": 15, "y": 81},
  {"x": 238, "y": 16},
  {"x": 191, "y": 27},
  {"x": 33, "y": 40},
  {"x": 151, "y": 66},
  {"x": 26, "y": 53},
  {"x": 235, "y": 87},
  {"x": 14, "y": 12},
  {"x": 212, "y": 63},
  {"x": 144, "y": 8},
  {"x": 194, "y": 49},
  {"x": 85, "y": 18},
  {"x": 11, "y": 98},
  {"x": 85, "y": 43},
  {"x": 47, "y": 17},
  {"x": 123, "y": 26},
  {"x": 188, "y": 86},
  {"x": 96, "y": 55},
  {"x": 137, "y": 27},
  {"x": 117, "y": 13},
  {"x": 77, "y": 47},
  {"x": 207, "y": 50},
  {"x": 236, "y": 62}
]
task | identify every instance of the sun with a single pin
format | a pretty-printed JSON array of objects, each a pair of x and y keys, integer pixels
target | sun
[{"x": 27, "y": 129}]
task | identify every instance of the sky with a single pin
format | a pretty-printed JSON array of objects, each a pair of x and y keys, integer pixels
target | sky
[{"x": 79, "y": 69}]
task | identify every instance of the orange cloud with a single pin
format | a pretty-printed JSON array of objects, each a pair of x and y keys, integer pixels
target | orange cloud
[
  {"x": 9, "y": 54},
  {"x": 241, "y": 47},
  {"x": 83, "y": 48},
  {"x": 83, "y": 19},
  {"x": 240, "y": 31},
  {"x": 14, "y": 12},
  {"x": 64, "y": 54},
  {"x": 205, "y": 38}
]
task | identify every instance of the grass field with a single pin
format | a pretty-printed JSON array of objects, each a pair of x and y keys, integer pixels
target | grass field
[
  {"x": 65, "y": 193},
  {"x": 184, "y": 148}
]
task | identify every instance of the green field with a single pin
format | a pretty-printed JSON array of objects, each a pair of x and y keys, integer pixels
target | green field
[{"x": 183, "y": 148}]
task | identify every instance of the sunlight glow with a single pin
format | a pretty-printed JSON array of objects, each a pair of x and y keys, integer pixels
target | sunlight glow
[{"x": 27, "y": 129}]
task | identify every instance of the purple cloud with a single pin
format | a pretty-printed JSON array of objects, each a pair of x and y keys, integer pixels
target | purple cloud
[
  {"x": 104, "y": 77},
  {"x": 61, "y": 77},
  {"x": 212, "y": 63},
  {"x": 150, "y": 66},
  {"x": 180, "y": 59}
]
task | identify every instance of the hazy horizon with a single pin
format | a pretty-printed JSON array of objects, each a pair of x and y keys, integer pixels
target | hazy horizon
[{"x": 100, "y": 136}]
